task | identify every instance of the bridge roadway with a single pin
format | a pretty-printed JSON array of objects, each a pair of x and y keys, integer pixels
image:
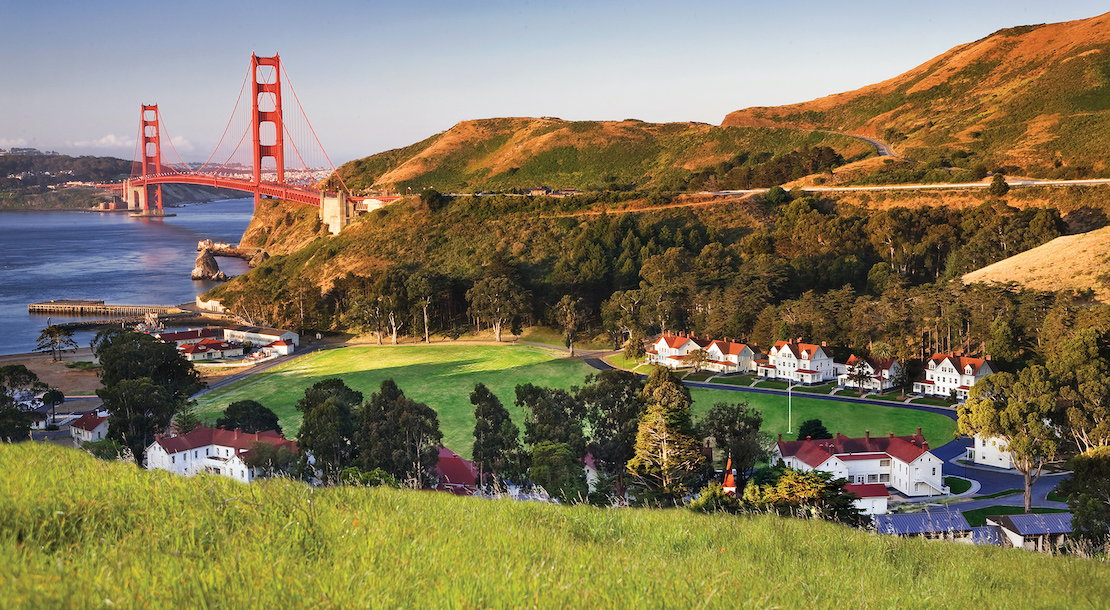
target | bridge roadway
[{"x": 299, "y": 194}]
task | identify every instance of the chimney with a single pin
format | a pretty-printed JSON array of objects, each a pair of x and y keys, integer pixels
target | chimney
[
  {"x": 919, "y": 430},
  {"x": 237, "y": 431},
  {"x": 824, "y": 344},
  {"x": 809, "y": 438},
  {"x": 987, "y": 357},
  {"x": 913, "y": 441},
  {"x": 780, "y": 437},
  {"x": 867, "y": 434},
  {"x": 891, "y": 435},
  {"x": 925, "y": 445}
]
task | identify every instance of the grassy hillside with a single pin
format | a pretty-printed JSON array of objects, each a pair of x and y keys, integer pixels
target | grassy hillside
[
  {"x": 442, "y": 376},
  {"x": 77, "y": 532},
  {"x": 1034, "y": 97},
  {"x": 508, "y": 153},
  {"x": 1071, "y": 262}
]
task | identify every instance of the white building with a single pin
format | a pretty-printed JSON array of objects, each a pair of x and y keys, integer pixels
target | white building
[
  {"x": 948, "y": 373},
  {"x": 673, "y": 351},
  {"x": 259, "y": 336},
  {"x": 992, "y": 452},
  {"x": 871, "y": 498},
  {"x": 213, "y": 451},
  {"x": 730, "y": 357},
  {"x": 901, "y": 462},
  {"x": 210, "y": 349},
  {"x": 88, "y": 428},
  {"x": 880, "y": 373},
  {"x": 799, "y": 362}
]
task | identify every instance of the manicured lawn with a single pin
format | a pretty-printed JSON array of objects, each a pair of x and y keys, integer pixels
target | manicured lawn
[
  {"x": 744, "y": 380},
  {"x": 936, "y": 402},
  {"x": 773, "y": 385},
  {"x": 824, "y": 388},
  {"x": 892, "y": 397},
  {"x": 847, "y": 418},
  {"x": 554, "y": 336},
  {"x": 999, "y": 494},
  {"x": 622, "y": 362},
  {"x": 957, "y": 485},
  {"x": 440, "y": 376},
  {"x": 697, "y": 376},
  {"x": 443, "y": 376},
  {"x": 978, "y": 517}
]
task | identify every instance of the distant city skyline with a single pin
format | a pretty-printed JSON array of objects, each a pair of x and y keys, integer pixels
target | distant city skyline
[{"x": 373, "y": 76}]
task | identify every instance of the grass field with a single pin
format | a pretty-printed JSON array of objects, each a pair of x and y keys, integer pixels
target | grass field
[
  {"x": 76, "y": 532},
  {"x": 444, "y": 375},
  {"x": 957, "y": 485}
]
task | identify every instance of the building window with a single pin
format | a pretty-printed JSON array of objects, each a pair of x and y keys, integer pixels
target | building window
[
  {"x": 872, "y": 478},
  {"x": 173, "y": 459},
  {"x": 884, "y": 463},
  {"x": 934, "y": 471},
  {"x": 884, "y": 478}
]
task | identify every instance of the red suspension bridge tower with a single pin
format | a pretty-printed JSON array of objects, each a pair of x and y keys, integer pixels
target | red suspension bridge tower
[{"x": 270, "y": 137}]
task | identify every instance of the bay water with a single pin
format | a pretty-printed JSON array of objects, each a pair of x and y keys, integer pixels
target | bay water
[{"x": 106, "y": 256}]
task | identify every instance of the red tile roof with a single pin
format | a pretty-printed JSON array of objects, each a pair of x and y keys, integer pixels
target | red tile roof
[
  {"x": 203, "y": 436},
  {"x": 88, "y": 422},
  {"x": 815, "y": 452},
  {"x": 868, "y": 490},
  {"x": 186, "y": 335},
  {"x": 208, "y": 345},
  {"x": 728, "y": 347},
  {"x": 675, "y": 341},
  {"x": 799, "y": 349},
  {"x": 960, "y": 362},
  {"x": 876, "y": 364},
  {"x": 455, "y": 474}
]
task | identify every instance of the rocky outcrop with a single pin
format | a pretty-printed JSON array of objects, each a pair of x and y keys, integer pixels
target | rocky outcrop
[
  {"x": 207, "y": 269},
  {"x": 259, "y": 257}
]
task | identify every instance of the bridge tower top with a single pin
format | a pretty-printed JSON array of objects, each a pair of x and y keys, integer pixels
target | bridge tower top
[
  {"x": 266, "y": 113},
  {"x": 152, "y": 142}
]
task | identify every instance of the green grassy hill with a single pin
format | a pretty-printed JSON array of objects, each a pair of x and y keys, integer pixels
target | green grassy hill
[
  {"x": 507, "y": 153},
  {"x": 76, "y": 532},
  {"x": 1034, "y": 97}
]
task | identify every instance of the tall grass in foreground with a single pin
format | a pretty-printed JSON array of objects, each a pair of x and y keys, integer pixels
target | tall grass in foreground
[{"x": 77, "y": 532}]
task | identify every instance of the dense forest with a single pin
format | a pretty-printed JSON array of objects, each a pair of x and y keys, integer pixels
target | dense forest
[{"x": 753, "y": 270}]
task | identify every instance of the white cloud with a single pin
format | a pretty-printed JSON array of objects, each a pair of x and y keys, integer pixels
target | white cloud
[
  {"x": 110, "y": 141},
  {"x": 181, "y": 144},
  {"x": 17, "y": 143}
]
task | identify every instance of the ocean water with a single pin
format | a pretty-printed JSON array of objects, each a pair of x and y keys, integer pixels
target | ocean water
[{"x": 107, "y": 256}]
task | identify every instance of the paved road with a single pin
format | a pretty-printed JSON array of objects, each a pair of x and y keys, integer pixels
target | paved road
[{"x": 1013, "y": 182}]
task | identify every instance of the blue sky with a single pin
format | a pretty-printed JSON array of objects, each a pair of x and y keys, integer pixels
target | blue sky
[{"x": 377, "y": 75}]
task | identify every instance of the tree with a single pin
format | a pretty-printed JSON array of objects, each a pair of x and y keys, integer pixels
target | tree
[
  {"x": 328, "y": 428},
  {"x": 813, "y": 428},
  {"x": 108, "y": 449},
  {"x": 185, "y": 420},
  {"x": 557, "y": 469},
  {"x": 1088, "y": 494},
  {"x": 698, "y": 358},
  {"x": 271, "y": 459},
  {"x": 138, "y": 409},
  {"x": 803, "y": 494},
  {"x": 18, "y": 386},
  {"x": 667, "y": 455},
  {"x": 53, "y": 397},
  {"x": 860, "y": 375},
  {"x": 497, "y": 299},
  {"x": 392, "y": 295},
  {"x": 55, "y": 339},
  {"x": 495, "y": 436},
  {"x": 613, "y": 405},
  {"x": 735, "y": 431},
  {"x": 553, "y": 416},
  {"x": 249, "y": 416},
  {"x": 570, "y": 316},
  {"x": 1020, "y": 410},
  {"x": 423, "y": 290},
  {"x": 124, "y": 354},
  {"x": 998, "y": 187},
  {"x": 1081, "y": 371},
  {"x": 399, "y": 435}
]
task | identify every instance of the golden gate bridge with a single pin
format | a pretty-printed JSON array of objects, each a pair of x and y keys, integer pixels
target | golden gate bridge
[{"x": 265, "y": 174}]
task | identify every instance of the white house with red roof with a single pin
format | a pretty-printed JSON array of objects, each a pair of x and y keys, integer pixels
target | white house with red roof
[
  {"x": 871, "y": 498},
  {"x": 212, "y": 451},
  {"x": 880, "y": 373},
  {"x": 730, "y": 357},
  {"x": 948, "y": 373},
  {"x": 210, "y": 349},
  {"x": 799, "y": 362},
  {"x": 88, "y": 428},
  {"x": 673, "y": 351},
  {"x": 901, "y": 462}
]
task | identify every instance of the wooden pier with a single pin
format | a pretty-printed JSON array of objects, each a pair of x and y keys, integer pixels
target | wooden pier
[{"x": 79, "y": 307}]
